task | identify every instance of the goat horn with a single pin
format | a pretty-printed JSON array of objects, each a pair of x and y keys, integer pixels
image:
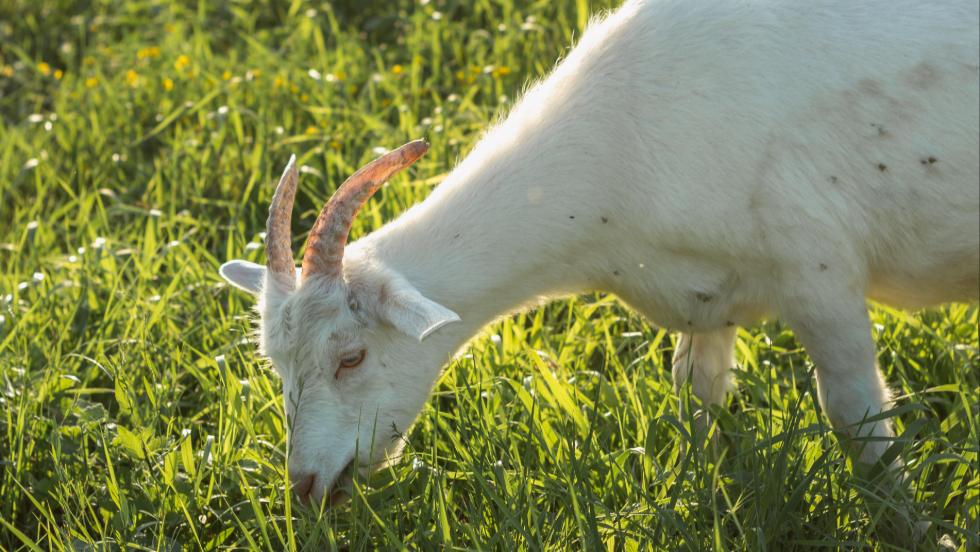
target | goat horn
[
  {"x": 278, "y": 248},
  {"x": 325, "y": 245}
]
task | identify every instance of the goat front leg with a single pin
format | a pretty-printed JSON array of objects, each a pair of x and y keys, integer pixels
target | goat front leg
[
  {"x": 837, "y": 336},
  {"x": 706, "y": 360}
]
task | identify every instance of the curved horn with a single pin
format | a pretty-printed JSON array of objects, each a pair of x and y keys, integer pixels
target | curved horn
[
  {"x": 325, "y": 246},
  {"x": 278, "y": 248}
]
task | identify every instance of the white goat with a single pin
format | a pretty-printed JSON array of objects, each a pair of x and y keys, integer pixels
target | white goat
[{"x": 710, "y": 162}]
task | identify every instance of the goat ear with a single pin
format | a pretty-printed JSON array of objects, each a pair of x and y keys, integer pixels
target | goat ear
[
  {"x": 244, "y": 275},
  {"x": 247, "y": 276},
  {"x": 412, "y": 313}
]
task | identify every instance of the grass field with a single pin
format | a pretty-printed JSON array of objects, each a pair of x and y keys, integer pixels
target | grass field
[{"x": 139, "y": 142}]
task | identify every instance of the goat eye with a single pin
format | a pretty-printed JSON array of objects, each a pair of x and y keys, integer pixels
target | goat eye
[{"x": 352, "y": 361}]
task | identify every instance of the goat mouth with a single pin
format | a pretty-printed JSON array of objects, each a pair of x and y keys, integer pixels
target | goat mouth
[{"x": 342, "y": 488}]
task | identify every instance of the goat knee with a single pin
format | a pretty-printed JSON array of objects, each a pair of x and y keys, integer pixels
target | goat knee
[{"x": 849, "y": 399}]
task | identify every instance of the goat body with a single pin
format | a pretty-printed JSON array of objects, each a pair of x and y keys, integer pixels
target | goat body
[{"x": 715, "y": 162}]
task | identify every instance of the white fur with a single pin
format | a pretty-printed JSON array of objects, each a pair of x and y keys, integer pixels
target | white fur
[{"x": 710, "y": 162}]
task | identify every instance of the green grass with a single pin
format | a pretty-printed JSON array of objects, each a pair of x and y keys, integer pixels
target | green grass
[{"x": 138, "y": 147}]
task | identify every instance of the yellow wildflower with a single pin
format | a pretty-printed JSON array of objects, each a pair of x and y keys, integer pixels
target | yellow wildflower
[
  {"x": 334, "y": 145},
  {"x": 7, "y": 71},
  {"x": 226, "y": 75},
  {"x": 168, "y": 84},
  {"x": 340, "y": 75},
  {"x": 58, "y": 73},
  {"x": 311, "y": 130},
  {"x": 182, "y": 62},
  {"x": 91, "y": 82},
  {"x": 501, "y": 71},
  {"x": 44, "y": 68},
  {"x": 278, "y": 82},
  {"x": 148, "y": 52},
  {"x": 304, "y": 98},
  {"x": 397, "y": 69},
  {"x": 132, "y": 78}
]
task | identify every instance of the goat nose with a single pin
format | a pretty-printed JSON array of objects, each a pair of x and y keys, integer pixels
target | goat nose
[{"x": 303, "y": 485}]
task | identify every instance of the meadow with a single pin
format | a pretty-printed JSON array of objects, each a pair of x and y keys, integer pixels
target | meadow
[{"x": 139, "y": 144}]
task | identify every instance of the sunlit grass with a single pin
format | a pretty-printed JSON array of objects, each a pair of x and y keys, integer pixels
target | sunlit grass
[{"x": 138, "y": 147}]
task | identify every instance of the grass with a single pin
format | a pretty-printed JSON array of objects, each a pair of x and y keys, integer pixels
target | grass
[{"x": 138, "y": 147}]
